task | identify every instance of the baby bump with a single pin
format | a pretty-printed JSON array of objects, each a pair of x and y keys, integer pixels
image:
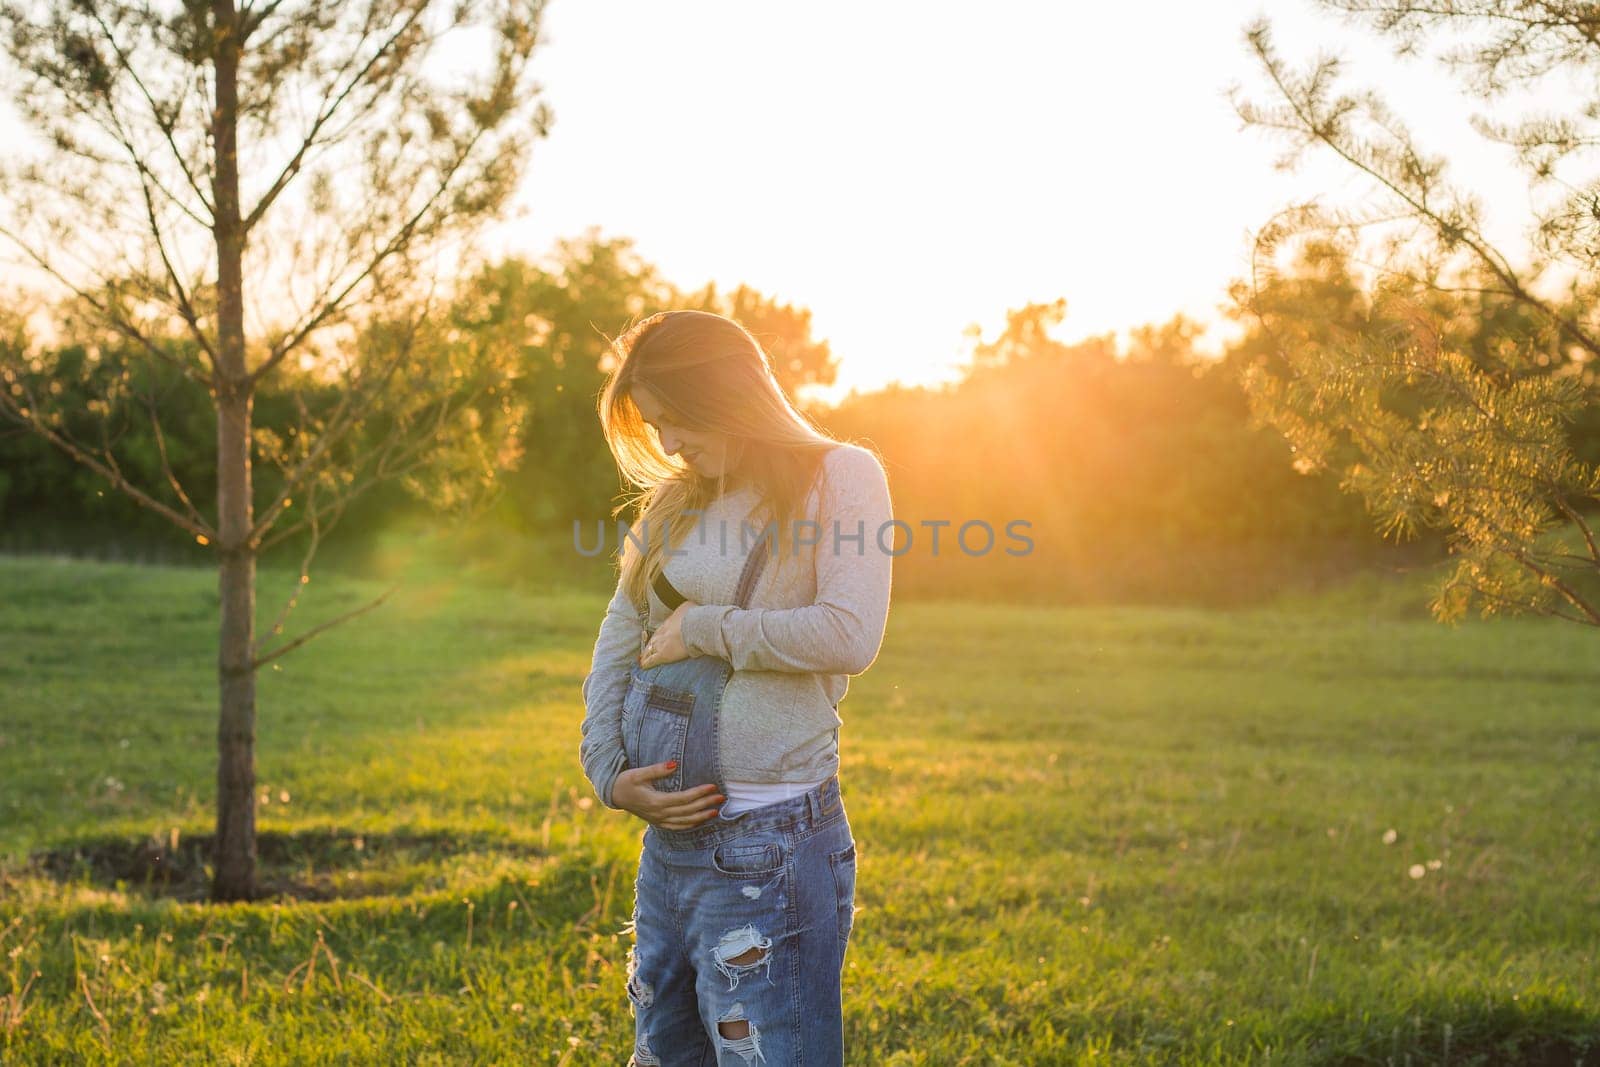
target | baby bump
[{"x": 657, "y": 708}]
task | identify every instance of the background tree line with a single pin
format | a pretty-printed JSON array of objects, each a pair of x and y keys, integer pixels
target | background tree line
[{"x": 1140, "y": 471}]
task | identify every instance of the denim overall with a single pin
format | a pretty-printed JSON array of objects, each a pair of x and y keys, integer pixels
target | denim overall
[{"x": 740, "y": 923}]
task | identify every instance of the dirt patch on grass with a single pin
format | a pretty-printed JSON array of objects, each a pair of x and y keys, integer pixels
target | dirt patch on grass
[{"x": 304, "y": 865}]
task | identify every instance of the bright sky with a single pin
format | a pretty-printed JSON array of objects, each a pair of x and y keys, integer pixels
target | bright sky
[{"x": 907, "y": 169}]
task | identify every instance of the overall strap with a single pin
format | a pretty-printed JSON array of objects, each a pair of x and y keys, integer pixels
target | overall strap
[{"x": 752, "y": 571}]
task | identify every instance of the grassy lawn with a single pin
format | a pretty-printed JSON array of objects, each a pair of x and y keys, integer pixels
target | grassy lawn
[{"x": 1086, "y": 835}]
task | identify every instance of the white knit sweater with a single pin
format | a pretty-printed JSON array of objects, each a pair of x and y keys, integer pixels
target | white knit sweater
[{"x": 814, "y": 619}]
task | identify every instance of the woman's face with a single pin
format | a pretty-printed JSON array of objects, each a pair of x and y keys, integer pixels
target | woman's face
[{"x": 705, "y": 452}]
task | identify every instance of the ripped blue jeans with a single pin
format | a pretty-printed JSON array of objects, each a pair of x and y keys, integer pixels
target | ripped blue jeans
[{"x": 740, "y": 931}]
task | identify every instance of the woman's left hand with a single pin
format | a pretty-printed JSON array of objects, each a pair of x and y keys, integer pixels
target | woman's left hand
[{"x": 666, "y": 644}]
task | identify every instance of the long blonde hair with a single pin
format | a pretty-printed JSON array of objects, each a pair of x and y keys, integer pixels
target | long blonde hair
[{"x": 709, "y": 374}]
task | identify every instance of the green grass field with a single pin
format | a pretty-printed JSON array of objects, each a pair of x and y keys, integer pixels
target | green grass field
[{"x": 1325, "y": 834}]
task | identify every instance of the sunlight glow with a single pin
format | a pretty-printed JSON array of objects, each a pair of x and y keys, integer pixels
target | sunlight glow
[{"x": 906, "y": 174}]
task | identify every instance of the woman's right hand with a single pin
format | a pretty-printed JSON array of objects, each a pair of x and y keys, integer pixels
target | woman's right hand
[{"x": 683, "y": 810}]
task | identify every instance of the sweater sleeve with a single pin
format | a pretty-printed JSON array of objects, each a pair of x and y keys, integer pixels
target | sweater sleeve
[
  {"x": 615, "y": 651},
  {"x": 841, "y": 632}
]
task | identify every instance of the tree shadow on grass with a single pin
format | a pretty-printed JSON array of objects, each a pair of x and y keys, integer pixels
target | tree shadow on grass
[{"x": 315, "y": 864}]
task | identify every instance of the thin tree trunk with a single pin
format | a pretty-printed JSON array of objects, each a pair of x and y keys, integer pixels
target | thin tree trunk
[{"x": 235, "y": 852}]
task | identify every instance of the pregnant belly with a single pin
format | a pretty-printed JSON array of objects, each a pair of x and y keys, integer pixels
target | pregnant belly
[{"x": 657, "y": 710}]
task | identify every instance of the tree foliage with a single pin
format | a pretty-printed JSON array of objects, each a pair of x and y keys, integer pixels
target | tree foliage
[{"x": 1449, "y": 391}]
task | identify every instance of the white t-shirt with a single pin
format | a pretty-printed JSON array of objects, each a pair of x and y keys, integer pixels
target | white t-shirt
[{"x": 742, "y": 796}]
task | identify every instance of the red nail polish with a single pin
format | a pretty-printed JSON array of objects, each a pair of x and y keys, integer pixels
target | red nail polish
[{"x": 672, "y": 765}]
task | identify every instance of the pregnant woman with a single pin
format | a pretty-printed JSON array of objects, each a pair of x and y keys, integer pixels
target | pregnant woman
[{"x": 754, "y": 582}]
